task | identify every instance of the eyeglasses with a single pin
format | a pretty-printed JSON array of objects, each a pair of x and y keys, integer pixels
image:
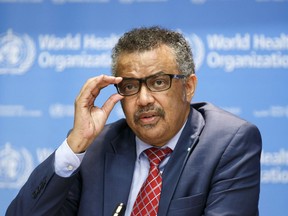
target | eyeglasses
[{"x": 155, "y": 83}]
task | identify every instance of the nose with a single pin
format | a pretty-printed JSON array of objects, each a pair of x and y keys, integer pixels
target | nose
[{"x": 144, "y": 96}]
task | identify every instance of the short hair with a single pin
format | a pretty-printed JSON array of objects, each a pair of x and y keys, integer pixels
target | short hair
[{"x": 148, "y": 38}]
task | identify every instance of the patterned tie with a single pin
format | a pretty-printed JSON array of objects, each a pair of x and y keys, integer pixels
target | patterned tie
[{"x": 148, "y": 197}]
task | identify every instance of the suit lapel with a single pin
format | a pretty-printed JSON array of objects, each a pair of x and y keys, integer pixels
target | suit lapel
[
  {"x": 119, "y": 168},
  {"x": 184, "y": 148}
]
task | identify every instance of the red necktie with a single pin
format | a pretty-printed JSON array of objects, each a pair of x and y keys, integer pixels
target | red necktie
[{"x": 148, "y": 197}]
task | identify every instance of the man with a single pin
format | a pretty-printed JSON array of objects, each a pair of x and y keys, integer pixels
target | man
[{"x": 213, "y": 163}]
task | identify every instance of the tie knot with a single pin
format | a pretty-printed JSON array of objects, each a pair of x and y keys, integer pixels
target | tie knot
[{"x": 156, "y": 155}]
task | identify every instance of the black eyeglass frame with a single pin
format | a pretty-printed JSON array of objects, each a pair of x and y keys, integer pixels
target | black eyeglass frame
[{"x": 144, "y": 80}]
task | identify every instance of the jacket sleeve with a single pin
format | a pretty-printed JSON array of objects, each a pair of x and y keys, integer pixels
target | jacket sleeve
[
  {"x": 46, "y": 193},
  {"x": 235, "y": 185}
]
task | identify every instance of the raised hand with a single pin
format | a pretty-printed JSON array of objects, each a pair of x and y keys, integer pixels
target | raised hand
[{"x": 89, "y": 120}]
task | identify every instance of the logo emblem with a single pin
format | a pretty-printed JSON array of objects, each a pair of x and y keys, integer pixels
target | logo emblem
[
  {"x": 17, "y": 53},
  {"x": 15, "y": 166},
  {"x": 198, "y": 49}
]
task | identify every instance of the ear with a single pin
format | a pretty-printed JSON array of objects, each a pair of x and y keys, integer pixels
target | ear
[{"x": 191, "y": 83}]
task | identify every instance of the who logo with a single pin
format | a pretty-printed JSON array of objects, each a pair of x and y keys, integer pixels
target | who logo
[
  {"x": 198, "y": 49},
  {"x": 17, "y": 53},
  {"x": 15, "y": 166}
]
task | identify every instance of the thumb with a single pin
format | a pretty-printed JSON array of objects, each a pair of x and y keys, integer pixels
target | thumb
[{"x": 110, "y": 103}]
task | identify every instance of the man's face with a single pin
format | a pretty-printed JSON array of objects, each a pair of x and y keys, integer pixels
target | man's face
[{"x": 155, "y": 117}]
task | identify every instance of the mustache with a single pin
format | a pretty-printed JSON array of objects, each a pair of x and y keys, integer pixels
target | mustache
[{"x": 157, "y": 111}]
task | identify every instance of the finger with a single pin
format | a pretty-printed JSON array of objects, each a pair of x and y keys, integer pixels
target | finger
[
  {"x": 103, "y": 82},
  {"x": 92, "y": 87},
  {"x": 95, "y": 84},
  {"x": 99, "y": 84},
  {"x": 110, "y": 103}
]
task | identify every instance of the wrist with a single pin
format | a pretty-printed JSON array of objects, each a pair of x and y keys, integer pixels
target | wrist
[{"x": 77, "y": 145}]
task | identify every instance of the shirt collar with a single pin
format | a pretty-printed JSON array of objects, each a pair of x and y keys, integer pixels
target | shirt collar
[{"x": 142, "y": 146}]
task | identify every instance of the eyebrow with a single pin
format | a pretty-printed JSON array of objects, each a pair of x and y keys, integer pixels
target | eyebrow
[{"x": 158, "y": 73}]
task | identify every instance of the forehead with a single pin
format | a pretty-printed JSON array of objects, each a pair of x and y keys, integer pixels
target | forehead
[{"x": 140, "y": 64}]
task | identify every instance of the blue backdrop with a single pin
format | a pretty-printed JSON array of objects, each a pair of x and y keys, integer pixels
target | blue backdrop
[{"x": 49, "y": 48}]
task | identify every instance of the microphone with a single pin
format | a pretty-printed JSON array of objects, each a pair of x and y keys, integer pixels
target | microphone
[{"x": 119, "y": 210}]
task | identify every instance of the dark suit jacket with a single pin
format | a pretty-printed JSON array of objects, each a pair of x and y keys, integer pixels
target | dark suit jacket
[{"x": 214, "y": 170}]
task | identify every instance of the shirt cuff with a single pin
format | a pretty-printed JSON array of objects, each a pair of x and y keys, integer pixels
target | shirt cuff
[{"x": 66, "y": 161}]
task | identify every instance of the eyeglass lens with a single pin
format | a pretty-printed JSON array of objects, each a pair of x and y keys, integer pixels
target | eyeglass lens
[{"x": 158, "y": 82}]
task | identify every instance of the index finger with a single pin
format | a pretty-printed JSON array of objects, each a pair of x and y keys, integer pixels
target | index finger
[
  {"x": 95, "y": 84},
  {"x": 103, "y": 81}
]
